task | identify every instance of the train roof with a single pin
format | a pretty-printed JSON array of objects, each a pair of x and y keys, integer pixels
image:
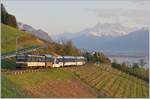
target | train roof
[
  {"x": 59, "y": 57},
  {"x": 21, "y": 55},
  {"x": 48, "y": 55},
  {"x": 80, "y": 57},
  {"x": 36, "y": 55},
  {"x": 69, "y": 56}
]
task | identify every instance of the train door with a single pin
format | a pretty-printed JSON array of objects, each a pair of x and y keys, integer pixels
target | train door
[{"x": 56, "y": 63}]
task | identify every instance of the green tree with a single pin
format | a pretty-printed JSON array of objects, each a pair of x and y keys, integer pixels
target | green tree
[
  {"x": 7, "y": 18},
  {"x": 142, "y": 62},
  {"x": 135, "y": 65},
  {"x": 70, "y": 49}
]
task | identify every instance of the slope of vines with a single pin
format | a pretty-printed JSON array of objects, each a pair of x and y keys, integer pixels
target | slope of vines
[{"x": 111, "y": 82}]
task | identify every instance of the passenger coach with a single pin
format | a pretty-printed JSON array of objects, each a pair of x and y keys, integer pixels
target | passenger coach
[{"x": 49, "y": 60}]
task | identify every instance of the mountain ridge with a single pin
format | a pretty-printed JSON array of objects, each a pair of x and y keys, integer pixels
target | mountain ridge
[
  {"x": 100, "y": 30},
  {"x": 36, "y": 32},
  {"x": 134, "y": 41}
]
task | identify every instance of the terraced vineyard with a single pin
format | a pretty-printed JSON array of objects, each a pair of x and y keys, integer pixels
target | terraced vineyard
[
  {"x": 52, "y": 83},
  {"x": 111, "y": 82}
]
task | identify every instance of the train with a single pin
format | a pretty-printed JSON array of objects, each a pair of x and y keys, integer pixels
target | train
[{"x": 35, "y": 61}]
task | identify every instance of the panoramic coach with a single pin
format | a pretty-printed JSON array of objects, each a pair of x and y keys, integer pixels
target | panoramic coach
[{"x": 49, "y": 61}]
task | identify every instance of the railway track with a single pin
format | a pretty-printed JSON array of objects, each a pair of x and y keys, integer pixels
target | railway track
[
  {"x": 21, "y": 71},
  {"x": 27, "y": 70}
]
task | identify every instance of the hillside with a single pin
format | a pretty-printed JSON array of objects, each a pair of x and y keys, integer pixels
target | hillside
[
  {"x": 8, "y": 41},
  {"x": 25, "y": 41},
  {"x": 110, "y": 82},
  {"x": 90, "y": 80},
  {"x": 11, "y": 35},
  {"x": 53, "y": 83},
  {"x": 27, "y": 37},
  {"x": 28, "y": 41}
]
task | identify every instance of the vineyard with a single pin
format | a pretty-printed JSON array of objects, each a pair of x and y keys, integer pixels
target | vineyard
[
  {"x": 52, "y": 83},
  {"x": 110, "y": 82}
]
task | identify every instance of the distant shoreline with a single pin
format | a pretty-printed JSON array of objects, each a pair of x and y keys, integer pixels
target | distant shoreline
[
  {"x": 126, "y": 54},
  {"x": 129, "y": 59},
  {"x": 133, "y": 56}
]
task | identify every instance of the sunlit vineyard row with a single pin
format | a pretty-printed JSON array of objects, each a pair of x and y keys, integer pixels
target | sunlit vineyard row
[{"x": 110, "y": 82}]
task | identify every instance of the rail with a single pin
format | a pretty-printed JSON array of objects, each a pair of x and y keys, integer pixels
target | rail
[{"x": 18, "y": 72}]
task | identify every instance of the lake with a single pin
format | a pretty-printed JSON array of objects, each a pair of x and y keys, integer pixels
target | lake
[{"x": 129, "y": 60}]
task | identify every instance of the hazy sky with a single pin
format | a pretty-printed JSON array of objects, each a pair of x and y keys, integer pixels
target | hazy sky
[{"x": 57, "y": 17}]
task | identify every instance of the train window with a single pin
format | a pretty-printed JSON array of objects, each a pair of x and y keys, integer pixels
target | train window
[
  {"x": 28, "y": 58},
  {"x": 21, "y": 58},
  {"x": 80, "y": 59},
  {"x": 60, "y": 60},
  {"x": 42, "y": 59},
  {"x": 69, "y": 59},
  {"x": 57, "y": 61},
  {"x": 49, "y": 59},
  {"x": 36, "y": 59},
  {"x": 39, "y": 59},
  {"x": 31, "y": 59}
]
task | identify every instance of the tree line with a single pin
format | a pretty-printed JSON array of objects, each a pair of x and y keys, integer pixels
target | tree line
[
  {"x": 65, "y": 48},
  {"x": 96, "y": 57},
  {"x": 7, "y": 18},
  {"x": 135, "y": 70}
]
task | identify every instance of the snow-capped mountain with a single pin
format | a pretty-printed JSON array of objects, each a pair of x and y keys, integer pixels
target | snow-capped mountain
[
  {"x": 110, "y": 37},
  {"x": 36, "y": 32},
  {"x": 108, "y": 29},
  {"x": 99, "y": 30},
  {"x": 137, "y": 41}
]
